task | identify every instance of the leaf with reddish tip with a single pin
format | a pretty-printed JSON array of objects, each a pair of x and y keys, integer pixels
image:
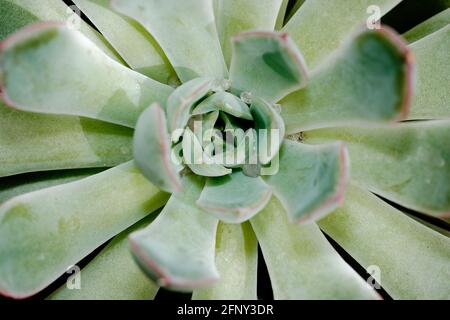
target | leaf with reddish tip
[
  {"x": 266, "y": 64},
  {"x": 21, "y": 13},
  {"x": 235, "y": 16},
  {"x": 237, "y": 263},
  {"x": 432, "y": 95},
  {"x": 433, "y": 24},
  {"x": 130, "y": 39},
  {"x": 44, "y": 232},
  {"x": 112, "y": 274},
  {"x": 177, "y": 249},
  {"x": 318, "y": 27},
  {"x": 234, "y": 198},
  {"x": 186, "y": 32},
  {"x": 311, "y": 180},
  {"x": 301, "y": 262},
  {"x": 270, "y": 129},
  {"x": 92, "y": 84},
  {"x": 413, "y": 261},
  {"x": 368, "y": 81},
  {"x": 200, "y": 162},
  {"x": 36, "y": 142},
  {"x": 181, "y": 102},
  {"x": 226, "y": 102},
  {"x": 152, "y": 152},
  {"x": 408, "y": 163}
]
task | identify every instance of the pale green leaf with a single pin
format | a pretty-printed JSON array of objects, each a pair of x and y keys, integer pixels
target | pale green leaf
[
  {"x": 369, "y": 80},
  {"x": 185, "y": 30},
  {"x": 236, "y": 261},
  {"x": 177, "y": 249},
  {"x": 50, "y": 68},
  {"x": 226, "y": 102},
  {"x": 319, "y": 26},
  {"x": 36, "y": 142},
  {"x": 112, "y": 274},
  {"x": 408, "y": 163},
  {"x": 266, "y": 64},
  {"x": 45, "y": 232},
  {"x": 311, "y": 180},
  {"x": 152, "y": 150},
  {"x": 131, "y": 40},
  {"x": 234, "y": 198},
  {"x": 301, "y": 262},
  {"x": 413, "y": 261}
]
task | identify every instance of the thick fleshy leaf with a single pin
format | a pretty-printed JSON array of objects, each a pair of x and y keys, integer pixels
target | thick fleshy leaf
[
  {"x": 234, "y": 198},
  {"x": 320, "y": 26},
  {"x": 270, "y": 129},
  {"x": 91, "y": 84},
  {"x": 412, "y": 260},
  {"x": 432, "y": 94},
  {"x": 311, "y": 180},
  {"x": 152, "y": 152},
  {"x": 17, "y": 185},
  {"x": 301, "y": 262},
  {"x": 44, "y": 232},
  {"x": 266, "y": 64},
  {"x": 428, "y": 27},
  {"x": 368, "y": 80},
  {"x": 200, "y": 162},
  {"x": 36, "y": 142},
  {"x": 204, "y": 126},
  {"x": 181, "y": 102},
  {"x": 131, "y": 40},
  {"x": 408, "y": 164},
  {"x": 185, "y": 30},
  {"x": 236, "y": 16},
  {"x": 21, "y": 13},
  {"x": 237, "y": 263},
  {"x": 112, "y": 274},
  {"x": 177, "y": 249},
  {"x": 226, "y": 102}
]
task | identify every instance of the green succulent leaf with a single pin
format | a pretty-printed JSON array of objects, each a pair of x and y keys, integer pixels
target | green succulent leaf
[
  {"x": 92, "y": 84},
  {"x": 112, "y": 274},
  {"x": 408, "y": 163},
  {"x": 131, "y": 40},
  {"x": 237, "y": 263},
  {"x": 266, "y": 64},
  {"x": 236, "y": 16},
  {"x": 44, "y": 232},
  {"x": 368, "y": 80},
  {"x": 270, "y": 129},
  {"x": 177, "y": 249},
  {"x": 318, "y": 27},
  {"x": 432, "y": 94},
  {"x": 181, "y": 102},
  {"x": 205, "y": 131},
  {"x": 226, "y": 102},
  {"x": 197, "y": 160},
  {"x": 185, "y": 30},
  {"x": 17, "y": 185},
  {"x": 301, "y": 262},
  {"x": 412, "y": 260},
  {"x": 311, "y": 180},
  {"x": 35, "y": 142},
  {"x": 433, "y": 24},
  {"x": 152, "y": 150},
  {"x": 234, "y": 198},
  {"x": 21, "y": 13}
]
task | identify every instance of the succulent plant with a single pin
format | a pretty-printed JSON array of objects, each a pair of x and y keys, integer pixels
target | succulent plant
[{"x": 306, "y": 128}]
